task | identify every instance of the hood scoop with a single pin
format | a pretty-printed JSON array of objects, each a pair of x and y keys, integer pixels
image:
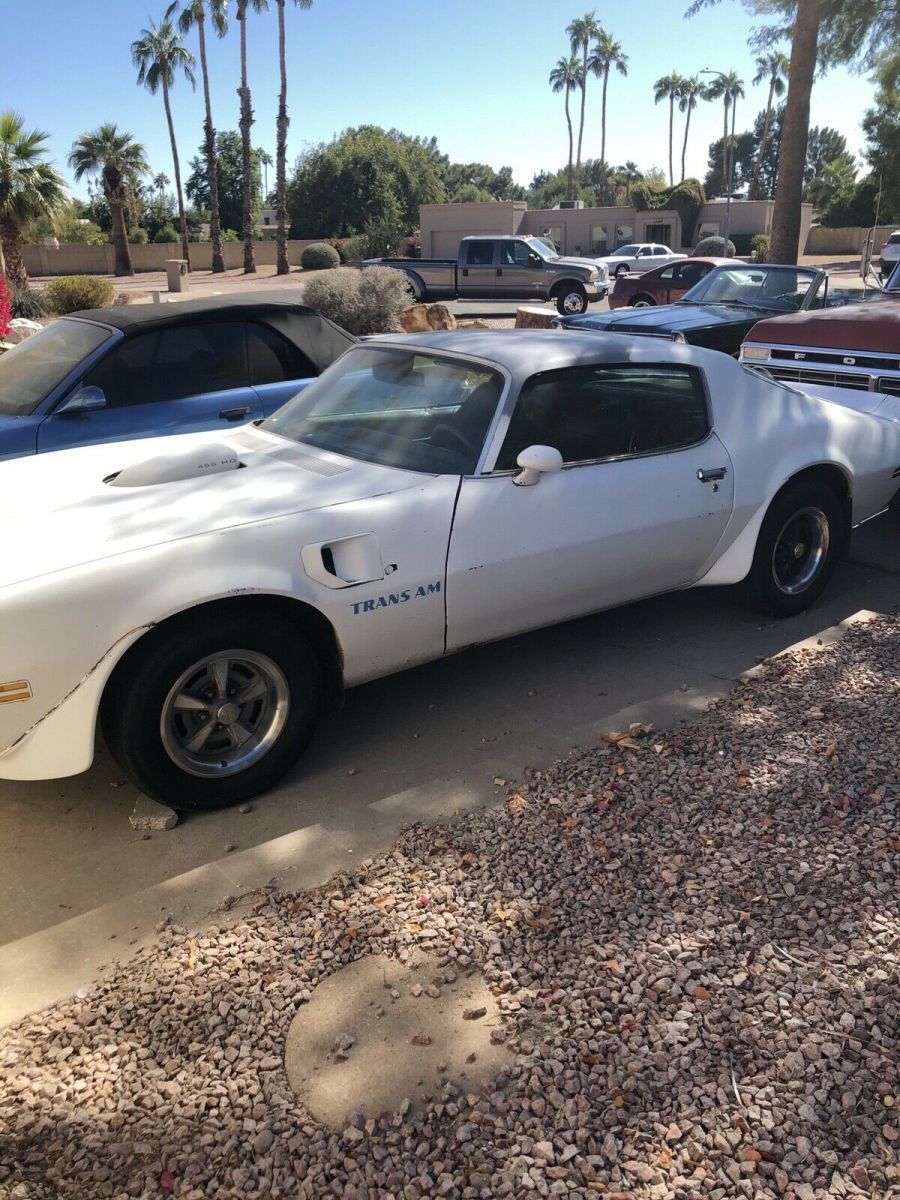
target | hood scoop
[{"x": 210, "y": 459}]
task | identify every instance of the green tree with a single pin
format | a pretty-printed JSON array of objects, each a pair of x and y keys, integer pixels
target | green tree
[
  {"x": 744, "y": 149},
  {"x": 881, "y": 125},
  {"x": 565, "y": 77},
  {"x": 824, "y": 146},
  {"x": 689, "y": 95},
  {"x": 242, "y": 9},
  {"x": 120, "y": 162},
  {"x": 669, "y": 87},
  {"x": 265, "y": 161},
  {"x": 773, "y": 68},
  {"x": 606, "y": 54},
  {"x": 340, "y": 187},
  {"x": 581, "y": 32},
  {"x": 836, "y": 176},
  {"x": 159, "y": 56},
  {"x": 728, "y": 87},
  {"x": 194, "y": 15},
  {"x": 281, "y": 197},
  {"x": 495, "y": 185},
  {"x": 231, "y": 181},
  {"x": 29, "y": 188}
]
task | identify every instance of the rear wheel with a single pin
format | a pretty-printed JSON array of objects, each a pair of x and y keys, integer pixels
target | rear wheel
[
  {"x": 798, "y": 547},
  {"x": 571, "y": 299},
  {"x": 621, "y": 270},
  {"x": 643, "y": 302},
  {"x": 215, "y": 711}
]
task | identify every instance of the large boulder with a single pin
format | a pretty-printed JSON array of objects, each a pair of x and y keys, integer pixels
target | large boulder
[{"x": 422, "y": 318}]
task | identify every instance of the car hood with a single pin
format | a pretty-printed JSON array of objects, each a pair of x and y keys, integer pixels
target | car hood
[
  {"x": 570, "y": 260},
  {"x": 873, "y": 327},
  {"x": 72, "y": 507},
  {"x": 668, "y": 318}
]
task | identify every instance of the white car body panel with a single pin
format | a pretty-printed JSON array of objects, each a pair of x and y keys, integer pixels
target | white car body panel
[
  {"x": 639, "y": 263},
  {"x": 90, "y": 565}
]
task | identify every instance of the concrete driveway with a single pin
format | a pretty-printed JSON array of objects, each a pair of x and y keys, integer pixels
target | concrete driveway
[{"x": 80, "y": 886}]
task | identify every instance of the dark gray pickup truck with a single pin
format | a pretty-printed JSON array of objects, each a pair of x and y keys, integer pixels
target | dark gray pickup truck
[{"x": 505, "y": 268}]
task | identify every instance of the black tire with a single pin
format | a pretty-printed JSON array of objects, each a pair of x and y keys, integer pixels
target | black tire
[
  {"x": 141, "y": 696},
  {"x": 621, "y": 270},
  {"x": 800, "y": 540},
  {"x": 571, "y": 299},
  {"x": 642, "y": 301}
]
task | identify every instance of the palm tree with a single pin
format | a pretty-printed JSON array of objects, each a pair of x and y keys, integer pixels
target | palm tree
[
  {"x": 774, "y": 67},
  {"x": 727, "y": 87},
  {"x": 668, "y": 87},
  {"x": 29, "y": 188},
  {"x": 161, "y": 182},
  {"x": 246, "y": 121},
  {"x": 566, "y": 76},
  {"x": 581, "y": 32},
  {"x": 158, "y": 55},
  {"x": 265, "y": 161},
  {"x": 195, "y": 14},
  {"x": 120, "y": 161},
  {"x": 607, "y": 53},
  {"x": 281, "y": 217},
  {"x": 690, "y": 93}
]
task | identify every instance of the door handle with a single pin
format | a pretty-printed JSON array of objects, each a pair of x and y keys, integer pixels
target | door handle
[
  {"x": 499, "y": 270},
  {"x": 234, "y": 414},
  {"x": 465, "y": 270},
  {"x": 711, "y": 474}
]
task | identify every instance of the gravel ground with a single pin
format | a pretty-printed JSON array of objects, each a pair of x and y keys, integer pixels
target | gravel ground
[{"x": 693, "y": 937}]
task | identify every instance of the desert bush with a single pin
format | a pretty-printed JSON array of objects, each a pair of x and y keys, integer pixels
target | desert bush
[
  {"x": 760, "y": 243},
  {"x": 5, "y": 308},
  {"x": 339, "y": 244},
  {"x": 230, "y": 235},
  {"x": 26, "y": 302},
  {"x": 319, "y": 257},
  {"x": 167, "y": 234},
  {"x": 713, "y": 247},
  {"x": 742, "y": 242},
  {"x": 75, "y": 292},
  {"x": 361, "y": 301},
  {"x": 138, "y": 236}
]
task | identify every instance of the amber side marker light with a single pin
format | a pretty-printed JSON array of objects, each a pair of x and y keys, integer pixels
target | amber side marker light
[{"x": 11, "y": 693}]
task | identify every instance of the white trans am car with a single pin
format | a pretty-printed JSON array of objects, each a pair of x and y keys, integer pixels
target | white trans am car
[{"x": 202, "y": 598}]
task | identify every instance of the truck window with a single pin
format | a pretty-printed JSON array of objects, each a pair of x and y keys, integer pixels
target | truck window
[
  {"x": 518, "y": 254},
  {"x": 480, "y": 254}
]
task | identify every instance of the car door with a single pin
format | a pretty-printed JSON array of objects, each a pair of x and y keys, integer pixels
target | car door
[
  {"x": 645, "y": 260},
  {"x": 278, "y": 368},
  {"x": 478, "y": 270},
  {"x": 521, "y": 272},
  {"x": 178, "y": 379},
  {"x": 638, "y": 508},
  {"x": 681, "y": 277}
]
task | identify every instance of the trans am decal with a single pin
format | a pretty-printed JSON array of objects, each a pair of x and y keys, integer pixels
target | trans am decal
[{"x": 392, "y": 598}]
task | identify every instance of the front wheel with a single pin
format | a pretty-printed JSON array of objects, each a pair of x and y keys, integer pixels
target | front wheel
[
  {"x": 621, "y": 270},
  {"x": 215, "y": 711},
  {"x": 797, "y": 549},
  {"x": 643, "y": 302},
  {"x": 571, "y": 299}
]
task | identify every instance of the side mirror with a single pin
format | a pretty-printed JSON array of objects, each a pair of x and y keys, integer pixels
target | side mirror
[
  {"x": 534, "y": 462},
  {"x": 86, "y": 399}
]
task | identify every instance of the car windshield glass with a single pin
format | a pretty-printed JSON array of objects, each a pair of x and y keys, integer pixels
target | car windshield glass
[
  {"x": 405, "y": 408},
  {"x": 781, "y": 289},
  {"x": 31, "y": 370},
  {"x": 624, "y": 251},
  {"x": 541, "y": 247},
  {"x": 893, "y": 283}
]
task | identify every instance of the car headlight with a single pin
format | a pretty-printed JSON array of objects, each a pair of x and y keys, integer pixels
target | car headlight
[
  {"x": 756, "y": 353},
  {"x": 679, "y": 337},
  {"x": 594, "y": 276}
]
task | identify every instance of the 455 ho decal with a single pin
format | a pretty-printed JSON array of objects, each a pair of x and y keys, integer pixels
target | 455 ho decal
[{"x": 392, "y": 598}]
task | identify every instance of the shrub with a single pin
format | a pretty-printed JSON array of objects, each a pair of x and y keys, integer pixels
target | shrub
[
  {"x": 319, "y": 257},
  {"x": 5, "y": 308},
  {"x": 167, "y": 234},
  {"x": 742, "y": 242},
  {"x": 339, "y": 244},
  {"x": 361, "y": 301},
  {"x": 138, "y": 236},
  {"x": 713, "y": 247},
  {"x": 26, "y": 302},
  {"x": 760, "y": 243},
  {"x": 74, "y": 292},
  {"x": 412, "y": 246},
  {"x": 357, "y": 247},
  {"x": 229, "y": 235}
]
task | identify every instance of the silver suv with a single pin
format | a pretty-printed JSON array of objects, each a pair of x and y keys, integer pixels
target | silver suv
[{"x": 890, "y": 253}]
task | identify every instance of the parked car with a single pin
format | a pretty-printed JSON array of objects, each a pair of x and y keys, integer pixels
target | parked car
[
  {"x": 719, "y": 310},
  {"x": 504, "y": 268},
  {"x": 890, "y": 252},
  {"x": 149, "y": 369},
  {"x": 639, "y": 256},
  {"x": 204, "y": 597},
  {"x": 662, "y": 285}
]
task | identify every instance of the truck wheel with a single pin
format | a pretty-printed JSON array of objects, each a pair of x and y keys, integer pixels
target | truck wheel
[
  {"x": 215, "y": 711},
  {"x": 643, "y": 302},
  {"x": 571, "y": 299},
  {"x": 798, "y": 547}
]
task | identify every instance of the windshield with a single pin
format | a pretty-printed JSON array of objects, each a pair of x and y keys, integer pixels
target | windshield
[
  {"x": 411, "y": 409},
  {"x": 544, "y": 249},
  {"x": 781, "y": 289},
  {"x": 893, "y": 283},
  {"x": 624, "y": 251},
  {"x": 31, "y": 370}
]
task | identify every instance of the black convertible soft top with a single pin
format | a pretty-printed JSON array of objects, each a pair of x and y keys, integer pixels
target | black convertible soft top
[{"x": 320, "y": 339}]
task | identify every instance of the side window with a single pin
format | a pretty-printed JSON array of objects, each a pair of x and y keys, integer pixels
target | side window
[
  {"x": 660, "y": 250},
  {"x": 194, "y": 359},
  {"x": 602, "y": 412},
  {"x": 273, "y": 359},
  {"x": 126, "y": 375},
  {"x": 515, "y": 254},
  {"x": 668, "y": 274},
  {"x": 645, "y": 252},
  {"x": 480, "y": 254},
  {"x": 687, "y": 274}
]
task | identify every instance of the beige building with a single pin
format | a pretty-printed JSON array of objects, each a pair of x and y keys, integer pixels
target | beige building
[{"x": 590, "y": 231}]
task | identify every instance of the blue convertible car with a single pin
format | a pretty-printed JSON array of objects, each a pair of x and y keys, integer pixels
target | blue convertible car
[{"x": 147, "y": 369}]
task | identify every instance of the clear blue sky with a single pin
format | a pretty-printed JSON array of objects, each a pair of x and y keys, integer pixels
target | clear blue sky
[{"x": 473, "y": 73}]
